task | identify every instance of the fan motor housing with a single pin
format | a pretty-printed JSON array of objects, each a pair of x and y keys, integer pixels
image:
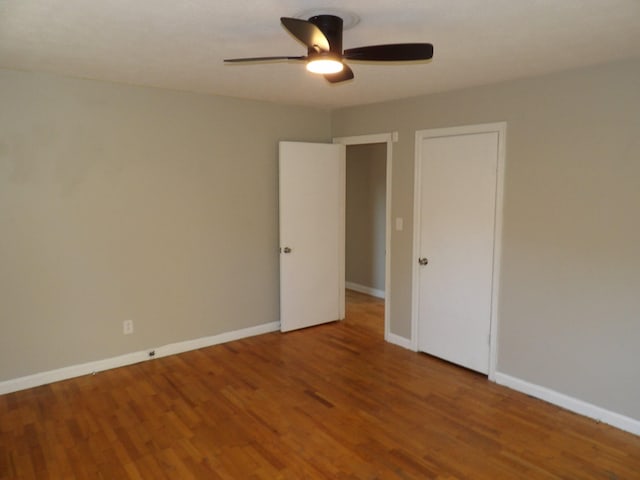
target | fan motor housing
[{"x": 331, "y": 26}]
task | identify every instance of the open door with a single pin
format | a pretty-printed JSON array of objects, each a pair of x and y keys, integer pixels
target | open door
[{"x": 312, "y": 216}]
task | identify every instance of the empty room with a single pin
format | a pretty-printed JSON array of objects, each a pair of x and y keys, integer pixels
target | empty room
[{"x": 286, "y": 240}]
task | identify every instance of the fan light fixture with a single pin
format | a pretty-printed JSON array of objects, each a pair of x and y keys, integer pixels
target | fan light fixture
[
  {"x": 322, "y": 35},
  {"x": 325, "y": 65}
]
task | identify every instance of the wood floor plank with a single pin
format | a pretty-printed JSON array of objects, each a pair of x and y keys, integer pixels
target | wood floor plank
[{"x": 333, "y": 401}]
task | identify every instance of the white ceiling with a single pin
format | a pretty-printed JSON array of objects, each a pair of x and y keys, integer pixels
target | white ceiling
[{"x": 181, "y": 44}]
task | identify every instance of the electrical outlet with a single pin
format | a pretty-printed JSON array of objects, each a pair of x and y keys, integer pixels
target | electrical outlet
[{"x": 127, "y": 327}]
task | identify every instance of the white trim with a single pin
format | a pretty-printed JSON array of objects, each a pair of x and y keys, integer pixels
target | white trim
[
  {"x": 342, "y": 233},
  {"x": 72, "y": 371},
  {"x": 415, "y": 284},
  {"x": 387, "y": 238},
  {"x": 570, "y": 403},
  {"x": 374, "y": 292},
  {"x": 497, "y": 249},
  {"x": 400, "y": 341},
  {"x": 501, "y": 129},
  {"x": 366, "y": 139},
  {"x": 387, "y": 138}
]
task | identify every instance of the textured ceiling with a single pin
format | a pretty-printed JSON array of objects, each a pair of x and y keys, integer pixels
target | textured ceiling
[{"x": 180, "y": 44}]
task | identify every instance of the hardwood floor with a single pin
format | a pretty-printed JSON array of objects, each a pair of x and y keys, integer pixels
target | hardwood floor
[{"x": 333, "y": 401}]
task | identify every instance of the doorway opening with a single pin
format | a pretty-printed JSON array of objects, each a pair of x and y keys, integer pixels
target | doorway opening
[
  {"x": 365, "y": 229},
  {"x": 368, "y": 229}
]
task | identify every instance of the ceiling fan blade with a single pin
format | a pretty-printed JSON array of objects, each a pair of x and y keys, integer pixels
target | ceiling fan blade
[
  {"x": 397, "y": 52},
  {"x": 307, "y": 33},
  {"x": 344, "y": 75},
  {"x": 261, "y": 59}
]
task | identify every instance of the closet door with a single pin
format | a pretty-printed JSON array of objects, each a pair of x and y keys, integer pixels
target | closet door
[{"x": 456, "y": 199}]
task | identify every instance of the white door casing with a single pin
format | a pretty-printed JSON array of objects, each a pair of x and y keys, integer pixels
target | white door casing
[
  {"x": 458, "y": 204},
  {"x": 312, "y": 216}
]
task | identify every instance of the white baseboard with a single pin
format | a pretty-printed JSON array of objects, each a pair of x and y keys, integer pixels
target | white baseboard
[
  {"x": 400, "y": 341},
  {"x": 573, "y": 404},
  {"x": 65, "y": 373},
  {"x": 374, "y": 292}
]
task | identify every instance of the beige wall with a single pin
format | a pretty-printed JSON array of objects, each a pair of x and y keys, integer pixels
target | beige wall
[
  {"x": 569, "y": 313},
  {"x": 120, "y": 202},
  {"x": 365, "y": 214}
]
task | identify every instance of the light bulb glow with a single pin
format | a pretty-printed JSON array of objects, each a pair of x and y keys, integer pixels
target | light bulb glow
[{"x": 325, "y": 66}]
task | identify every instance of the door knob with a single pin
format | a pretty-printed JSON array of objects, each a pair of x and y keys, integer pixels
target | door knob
[
  {"x": 423, "y": 260},
  {"x": 286, "y": 250}
]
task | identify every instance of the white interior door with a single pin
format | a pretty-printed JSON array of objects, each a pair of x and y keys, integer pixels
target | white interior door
[
  {"x": 456, "y": 217},
  {"x": 312, "y": 235}
]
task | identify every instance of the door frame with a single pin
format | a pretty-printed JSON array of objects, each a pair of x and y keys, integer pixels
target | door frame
[
  {"x": 501, "y": 129},
  {"x": 388, "y": 139}
]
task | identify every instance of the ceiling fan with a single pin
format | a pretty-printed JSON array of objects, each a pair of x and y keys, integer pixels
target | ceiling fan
[{"x": 322, "y": 35}]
